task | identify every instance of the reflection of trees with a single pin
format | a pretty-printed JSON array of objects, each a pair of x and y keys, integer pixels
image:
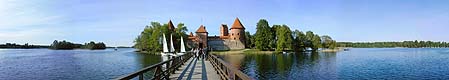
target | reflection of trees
[
  {"x": 311, "y": 65},
  {"x": 148, "y": 59},
  {"x": 283, "y": 62},
  {"x": 145, "y": 60}
]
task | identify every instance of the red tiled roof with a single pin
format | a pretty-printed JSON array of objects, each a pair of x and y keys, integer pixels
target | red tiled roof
[
  {"x": 202, "y": 29},
  {"x": 237, "y": 24}
]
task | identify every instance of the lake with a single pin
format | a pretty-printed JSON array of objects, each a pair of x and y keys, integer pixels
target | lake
[
  {"x": 45, "y": 64},
  {"x": 357, "y": 63}
]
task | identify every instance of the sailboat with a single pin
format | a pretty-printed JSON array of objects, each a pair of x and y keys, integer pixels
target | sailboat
[
  {"x": 165, "y": 46},
  {"x": 172, "y": 48},
  {"x": 183, "y": 48}
]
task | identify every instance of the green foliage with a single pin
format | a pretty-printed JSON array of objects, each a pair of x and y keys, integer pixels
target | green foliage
[
  {"x": 69, "y": 45},
  {"x": 312, "y": 41},
  {"x": 284, "y": 38},
  {"x": 150, "y": 39},
  {"x": 263, "y": 36},
  {"x": 316, "y": 42},
  {"x": 328, "y": 42},
  {"x": 248, "y": 42},
  {"x": 407, "y": 44},
  {"x": 63, "y": 45},
  {"x": 299, "y": 40},
  {"x": 92, "y": 45},
  {"x": 281, "y": 38}
]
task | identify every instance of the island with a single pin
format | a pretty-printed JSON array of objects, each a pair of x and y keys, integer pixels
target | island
[{"x": 65, "y": 45}]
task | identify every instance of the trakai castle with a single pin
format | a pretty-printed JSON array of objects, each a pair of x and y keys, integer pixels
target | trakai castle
[{"x": 229, "y": 39}]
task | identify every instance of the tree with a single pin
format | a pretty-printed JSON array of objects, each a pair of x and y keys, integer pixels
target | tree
[
  {"x": 299, "y": 40},
  {"x": 308, "y": 40},
  {"x": 181, "y": 30},
  {"x": 328, "y": 42},
  {"x": 263, "y": 36},
  {"x": 150, "y": 39},
  {"x": 284, "y": 37},
  {"x": 316, "y": 42},
  {"x": 248, "y": 42},
  {"x": 407, "y": 44}
]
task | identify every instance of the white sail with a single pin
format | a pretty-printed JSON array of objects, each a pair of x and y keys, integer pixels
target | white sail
[
  {"x": 183, "y": 48},
  {"x": 172, "y": 48},
  {"x": 164, "y": 44}
]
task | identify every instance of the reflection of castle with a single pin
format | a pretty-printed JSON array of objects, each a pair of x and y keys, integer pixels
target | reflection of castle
[{"x": 226, "y": 41}]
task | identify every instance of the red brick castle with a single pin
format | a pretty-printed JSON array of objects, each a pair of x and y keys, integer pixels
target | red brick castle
[{"x": 234, "y": 39}]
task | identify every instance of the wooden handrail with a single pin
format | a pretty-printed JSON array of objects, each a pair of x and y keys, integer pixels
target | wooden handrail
[
  {"x": 171, "y": 66},
  {"x": 226, "y": 71}
]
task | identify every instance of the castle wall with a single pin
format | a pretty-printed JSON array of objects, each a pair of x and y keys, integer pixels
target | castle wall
[{"x": 225, "y": 44}]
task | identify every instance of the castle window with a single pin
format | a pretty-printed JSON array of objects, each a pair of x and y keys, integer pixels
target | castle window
[
  {"x": 238, "y": 33},
  {"x": 233, "y": 34},
  {"x": 234, "y": 38}
]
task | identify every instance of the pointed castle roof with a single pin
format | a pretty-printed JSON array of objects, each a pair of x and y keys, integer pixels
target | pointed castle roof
[
  {"x": 237, "y": 24},
  {"x": 170, "y": 25},
  {"x": 202, "y": 29},
  {"x": 191, "y": 34}
]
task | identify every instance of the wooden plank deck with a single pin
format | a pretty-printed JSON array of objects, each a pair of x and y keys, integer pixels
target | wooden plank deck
[{"x": 195, "y": 69}]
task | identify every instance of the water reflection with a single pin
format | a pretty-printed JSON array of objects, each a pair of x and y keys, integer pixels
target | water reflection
[{"x": 285, "y": 66}]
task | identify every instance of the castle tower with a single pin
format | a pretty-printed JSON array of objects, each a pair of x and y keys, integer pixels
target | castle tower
[
  {"x": 202, "y": 35},
  {"x": 237, "y": 31},
  {"x": 224, "y": 30}
]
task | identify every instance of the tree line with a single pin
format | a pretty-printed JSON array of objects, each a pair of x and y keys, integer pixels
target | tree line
[
  {"x": 282, "y": 38},
  {"x": 150, "y": 39},
  {"x": 18, "y": 46},
  {"x": 407, "y": 44},
  {"x": 65, "y": 45}
]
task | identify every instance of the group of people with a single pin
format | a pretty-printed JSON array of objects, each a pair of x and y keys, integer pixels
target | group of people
[{"x": 200, "y": 53}]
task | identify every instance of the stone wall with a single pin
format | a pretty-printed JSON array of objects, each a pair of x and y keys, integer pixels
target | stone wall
[{"x": 225, "y": 44}]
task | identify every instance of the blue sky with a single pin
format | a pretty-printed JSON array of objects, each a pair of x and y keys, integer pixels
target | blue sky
[{"x": 118, "y": 22}]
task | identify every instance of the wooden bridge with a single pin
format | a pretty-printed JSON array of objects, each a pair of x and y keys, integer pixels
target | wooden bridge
[{"x": 189, "y": 67}]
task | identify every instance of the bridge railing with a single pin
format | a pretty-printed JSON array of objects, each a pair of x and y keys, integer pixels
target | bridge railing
[
  {"x": 226, "y": 71},
  {"x": 162, "y": 70}
]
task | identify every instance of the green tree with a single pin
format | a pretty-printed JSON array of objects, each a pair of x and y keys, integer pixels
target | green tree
[
  {"x": 299, "y": 40},
  {"x": 248, "y": 42},
  {"x": 308, "y": 41},
  {"x": 150, "y": 39},
  {"x": 328, "y": 42},
  {"x": 284, "y": 38},
  {"x": 263, "y": 36},
  {"x": 181, "y": 30},
  {"x": 316, "y": 42}
]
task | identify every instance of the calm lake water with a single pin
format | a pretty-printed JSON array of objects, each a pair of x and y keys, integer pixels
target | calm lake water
[
  {"x": 358, "y": 63},
  {"x": 45, "y": 64}
]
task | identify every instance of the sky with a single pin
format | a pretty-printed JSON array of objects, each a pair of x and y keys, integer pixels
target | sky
[{"x": 119, "y": 22}]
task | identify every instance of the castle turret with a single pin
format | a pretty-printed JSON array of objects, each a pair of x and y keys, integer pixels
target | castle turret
[
  {"x": 202, "y": 35},
  {"x": 224, "y": 31},
  {"x": 237, "y": 31}
]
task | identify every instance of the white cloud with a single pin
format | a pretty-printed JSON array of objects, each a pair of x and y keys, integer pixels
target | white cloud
[{"x": 26, "y": 21}]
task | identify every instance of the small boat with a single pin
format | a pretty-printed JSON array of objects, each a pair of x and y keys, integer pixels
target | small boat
[
  {"x": 183, "y": 49},
  {"x": 346, "y": 49},
  {"x": 167, "y": 51},
  {"x": 115, "y": 49}
]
